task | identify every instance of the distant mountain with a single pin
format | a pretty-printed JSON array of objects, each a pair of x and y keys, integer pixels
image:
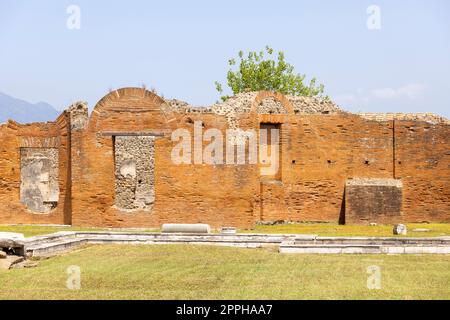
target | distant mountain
[{"x": 23, "y": 111}]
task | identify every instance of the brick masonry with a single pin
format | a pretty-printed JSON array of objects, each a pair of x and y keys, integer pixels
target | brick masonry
[
  {"x": 321, "y": 148},
  {"x": 369, "y": 200}
]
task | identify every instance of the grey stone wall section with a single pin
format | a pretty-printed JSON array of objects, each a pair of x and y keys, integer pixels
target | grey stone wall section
[
  {"x": 39, "y": 169},
  {"x": 134, "y": 172},
  {"x": 426, "y": 117},
  {"x": 241, "y": 103},
  {"x": 271, "y": 106},
  {"x": 79, "y": 117}
]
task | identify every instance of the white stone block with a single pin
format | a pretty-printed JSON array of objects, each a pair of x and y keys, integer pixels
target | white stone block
[{"x": 186, "y": 228}]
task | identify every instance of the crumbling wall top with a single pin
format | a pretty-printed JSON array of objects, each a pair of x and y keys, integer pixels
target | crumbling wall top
[
  {"x": 79, "y": 117},
  {"x": 242, "y": 102},
  {"x": 426, "y": 117},
  {"x": 359, "y": 181}
]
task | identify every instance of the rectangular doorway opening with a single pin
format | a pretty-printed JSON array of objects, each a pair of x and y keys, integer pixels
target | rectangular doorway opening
[{"x": 270, "y": 151}]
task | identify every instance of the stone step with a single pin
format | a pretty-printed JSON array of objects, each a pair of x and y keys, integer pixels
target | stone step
[
  {"x": 52, "y": 248},
  {"x": 36, "y": 240},
  {"x": 374, "y": 241},
  {"x": 329, "y": 248},
  {"x": 364, "y": 249},
  {"x": 55, "y": 243}
]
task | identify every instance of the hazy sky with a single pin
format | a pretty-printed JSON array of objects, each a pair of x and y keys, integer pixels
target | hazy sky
[{"x": 182, "y": 47}]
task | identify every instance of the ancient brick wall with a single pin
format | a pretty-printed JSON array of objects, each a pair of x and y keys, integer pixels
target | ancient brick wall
[
  {"x": 327, "y": 150},
  {"x": 32, "y": 189},
  {"x": 189, "y": 193},
  {"x": 370, "y": 200},
  {"x": 102, "y": 180},
  {"x": 422, "y": 162}
]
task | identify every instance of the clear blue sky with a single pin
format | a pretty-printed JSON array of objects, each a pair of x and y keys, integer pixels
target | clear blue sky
[{"x": 182, "y": 47}]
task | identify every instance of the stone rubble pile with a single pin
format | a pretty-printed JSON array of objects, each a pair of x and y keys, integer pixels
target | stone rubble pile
[
  {"x": 271, "y": 106},
  {"x": 242, "y": 102},
  {"x": 427, "y": 117},
  {"x": 312, "y": 105}
]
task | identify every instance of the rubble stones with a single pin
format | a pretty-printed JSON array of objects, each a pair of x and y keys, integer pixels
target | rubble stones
[
  {"x": 400, "y": 229},
  {"x": 9, "y": 261},
  {"x": 242, "y": 103},
  {"x": 426, "y": 117},
  {"x": 78, "y": 115},
  {"x": 135, "y": 180}
]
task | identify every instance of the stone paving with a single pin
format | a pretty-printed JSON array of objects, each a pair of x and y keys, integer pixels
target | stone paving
[{"x": 287, "y": 243}]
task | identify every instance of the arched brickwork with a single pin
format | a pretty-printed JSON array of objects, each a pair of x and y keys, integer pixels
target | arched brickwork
[{"x": 132, "y": 101}]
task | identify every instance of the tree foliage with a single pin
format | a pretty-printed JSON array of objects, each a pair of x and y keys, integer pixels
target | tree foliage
[{"x": 259, "y": 71}]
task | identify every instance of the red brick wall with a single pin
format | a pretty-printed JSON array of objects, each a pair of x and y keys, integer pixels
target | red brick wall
[
  {"x": 327, "y": 150},
  {"x": 422, "y": 161},
  {"x": 13, "y": 136},
  {"x": 319, "y": 153},
  {"x": 218, "y": 195}
]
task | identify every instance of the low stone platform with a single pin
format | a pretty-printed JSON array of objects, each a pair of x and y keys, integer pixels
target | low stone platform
[
  {"x": 63, "y": 241},
  {"x": 56, "y": 243},
  {"x": 14, "y": 242},
  {"x": 366, "y": 245}
]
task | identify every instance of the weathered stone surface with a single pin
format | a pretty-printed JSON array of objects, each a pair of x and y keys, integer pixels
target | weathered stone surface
[
  {"x": 10, "y": 243},
  {"x": 39, "y": 188},
  {"x": 400, "y": 229},
  {"x": 228, "y": 230},
  {"x": 426, "y": 117},
  {"x": 11, "y": 235},
  {"x": 135, "y": 179},
  {"x": 2, "y": 254},
  {"x": 271, "y": 106},
  {"x": 78, "y": 116},
  {"x": 186, "y": 228}
]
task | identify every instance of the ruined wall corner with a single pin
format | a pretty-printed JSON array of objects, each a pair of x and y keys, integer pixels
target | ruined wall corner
[{"x": 78, "y": 114}]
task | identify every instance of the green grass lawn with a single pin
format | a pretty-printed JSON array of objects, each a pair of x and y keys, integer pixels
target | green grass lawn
[
  {"x": 321, "y": 229},
  {"x": 30, "y": 230},
  {"x": 206, "y": 272}
]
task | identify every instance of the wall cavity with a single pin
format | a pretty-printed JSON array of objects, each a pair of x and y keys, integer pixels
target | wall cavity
[
  {"x": 134, "y": 172},
  {"x": 39, "y": 189}
]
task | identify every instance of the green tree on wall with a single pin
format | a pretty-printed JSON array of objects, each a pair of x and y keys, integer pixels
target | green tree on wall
[{"x": 258, "y": 71}]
